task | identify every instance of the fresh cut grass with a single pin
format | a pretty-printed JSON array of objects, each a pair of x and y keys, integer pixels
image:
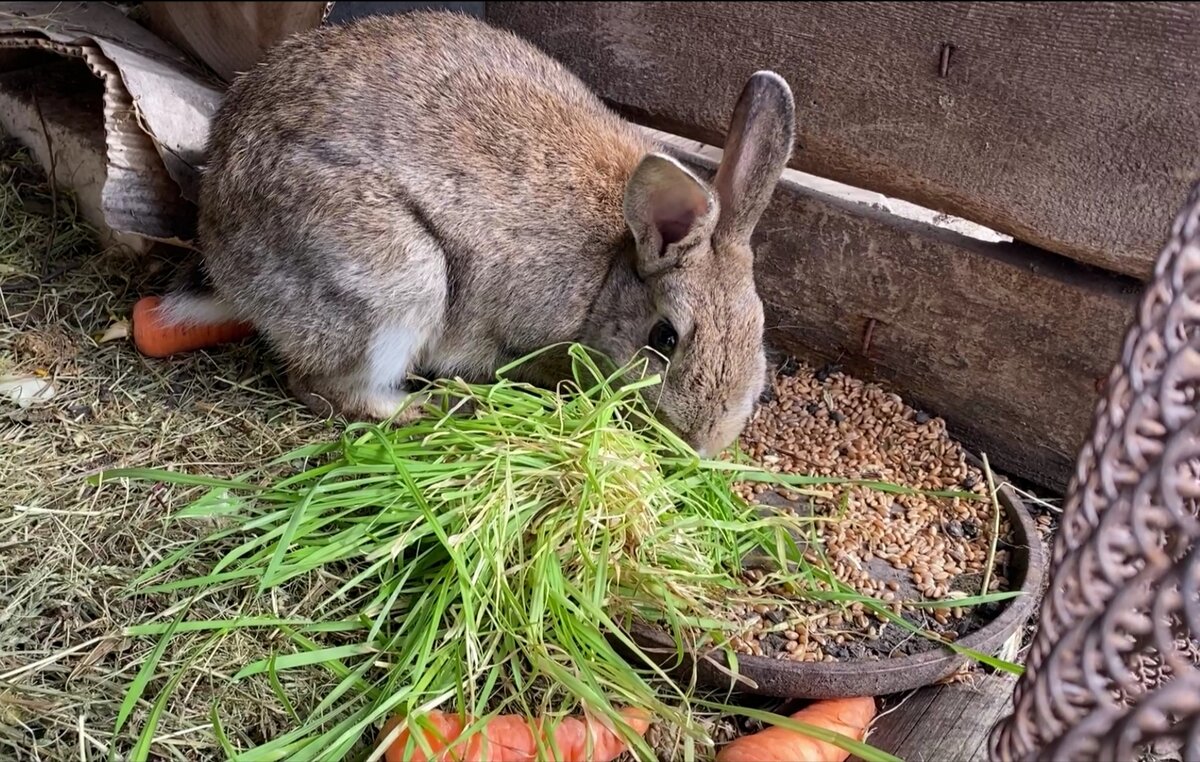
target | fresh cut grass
[{"x": 489, "y": 558}]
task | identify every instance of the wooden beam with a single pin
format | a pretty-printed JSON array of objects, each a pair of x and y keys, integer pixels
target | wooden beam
[
  {"x": 230, "y": 37},
  {"x": 1008, "y": 343},
  {"x": 344, "y": 12},
  {"x": 1070, "y": 126},
  {"x": 946, "y": 723}
]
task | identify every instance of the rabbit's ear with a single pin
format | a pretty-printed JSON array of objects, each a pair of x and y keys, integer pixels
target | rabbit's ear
[
  {"x": 757, "y": 149},
  {"x": 664, "y": 203}
]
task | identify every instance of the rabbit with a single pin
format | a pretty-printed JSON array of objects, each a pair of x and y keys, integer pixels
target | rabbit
[{"x": 427, "y": 193}]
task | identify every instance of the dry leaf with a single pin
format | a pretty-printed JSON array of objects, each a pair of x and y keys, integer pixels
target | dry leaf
[
  {"x": 26, "y": 390},
  {"x": 118, "y": 330}
]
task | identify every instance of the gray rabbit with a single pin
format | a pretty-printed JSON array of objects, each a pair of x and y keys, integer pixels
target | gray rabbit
[{"x": 423, "y": 192}]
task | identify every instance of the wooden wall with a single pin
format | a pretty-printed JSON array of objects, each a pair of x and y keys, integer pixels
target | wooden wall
[
  {"x": 343, "y": 11},
  {"x": 230, "y": 37},
  {"x": 1074, "y": 128},
  {"x": 1071, "y": 126}
]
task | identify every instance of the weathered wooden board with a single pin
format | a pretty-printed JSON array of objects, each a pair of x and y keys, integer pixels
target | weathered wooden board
[
  {"x": 231, "y": 37},
  {"x": 947, "y": 723},
  {"x": 1071, "y": 126},
  {"x": 343, "y": 12},
  {"x": 1008, "y": 343}
]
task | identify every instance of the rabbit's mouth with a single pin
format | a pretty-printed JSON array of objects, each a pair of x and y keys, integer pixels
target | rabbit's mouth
[
  {"x": 709, "y": 441},
  {"x": 712, "y": 437},
  {"x": 693, "y": 437}
]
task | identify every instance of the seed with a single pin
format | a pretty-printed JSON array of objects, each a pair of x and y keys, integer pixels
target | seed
[{"x": 829, "y": 424}]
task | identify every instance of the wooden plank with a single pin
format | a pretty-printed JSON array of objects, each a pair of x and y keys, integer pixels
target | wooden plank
[
  {"x": 344, "y": 12},
  {"x": 894, "y": 725},
  {"x": 230, "y": 37},
  {"x": 1070, "y": 126},
  {"x": 1007, "y": 343},
  {"x": 948, "y": 723}
]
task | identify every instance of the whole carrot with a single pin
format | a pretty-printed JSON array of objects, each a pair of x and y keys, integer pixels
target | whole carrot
[
  {"x": 850, "y": 717},
  {"x": 154, "y": 337},
  {"x": 509, "y": 738}
]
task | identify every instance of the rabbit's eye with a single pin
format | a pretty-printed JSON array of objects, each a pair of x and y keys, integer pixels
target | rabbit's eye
[{"x": 663, "y": 338}]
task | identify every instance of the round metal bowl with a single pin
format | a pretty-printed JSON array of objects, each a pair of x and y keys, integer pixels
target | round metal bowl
[{"x": 783, "y": 678}]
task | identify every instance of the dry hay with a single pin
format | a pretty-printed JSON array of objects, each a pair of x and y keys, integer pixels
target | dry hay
[{"x": 68, "y": 549}]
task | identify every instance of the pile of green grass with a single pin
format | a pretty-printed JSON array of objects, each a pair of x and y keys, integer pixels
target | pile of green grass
[{"x": 493, "y": 556}]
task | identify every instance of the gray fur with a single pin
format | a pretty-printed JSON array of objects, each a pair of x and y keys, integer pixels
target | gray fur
[{"x": 425, "y": 182}]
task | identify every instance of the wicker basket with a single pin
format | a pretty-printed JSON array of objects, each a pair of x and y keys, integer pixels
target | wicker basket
[{"x": 1113, "y": 666}]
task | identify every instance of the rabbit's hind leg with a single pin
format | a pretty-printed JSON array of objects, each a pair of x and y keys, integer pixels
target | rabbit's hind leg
[
  {"x": 373, "y": 389},
  {"x": 348, "y": 396}
]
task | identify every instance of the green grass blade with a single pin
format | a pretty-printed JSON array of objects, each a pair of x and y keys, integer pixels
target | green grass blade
[
  {"x": 170, "y": 477},
  {"x": 280, "y": 694},
  {"x": 145, "y": 674},
  {"x": 304, "y": 659},
  {"x": 141, "y": 751},
  {"x": 219, "y": 731}
]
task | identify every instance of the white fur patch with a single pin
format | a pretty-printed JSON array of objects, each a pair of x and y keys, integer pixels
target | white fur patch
[
  {"x": 383, "y": 404},
  {"x": 195, "y": 309},
  {"x": 391, "y": 354},
  {"x": 390, "y": 357}
]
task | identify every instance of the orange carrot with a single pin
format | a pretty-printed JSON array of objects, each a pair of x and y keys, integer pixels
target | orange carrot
[
  {"x": 154, "y": 338},
  {"x": 509, "y": 738},
  {"x": 849, "y": 717}
]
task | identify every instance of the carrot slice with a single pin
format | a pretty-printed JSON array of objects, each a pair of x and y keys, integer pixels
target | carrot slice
[
  {"x": 154, "y": 338},
  {"x": 446, "y": 729},
  {"x": 571, "y": 737},
  {"x": 509, "y": 738},
  {"x": 850, "y": 717}
]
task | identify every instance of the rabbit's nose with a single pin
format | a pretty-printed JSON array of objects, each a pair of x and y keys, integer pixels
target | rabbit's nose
[
  {"x": 713, "y": 441},
  {"x": 701, "y": 441}
]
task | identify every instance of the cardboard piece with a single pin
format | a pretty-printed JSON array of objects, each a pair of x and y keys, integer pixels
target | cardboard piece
[
  {"x": 58, "y": 107},
  {"x": 156, "y": 110}
]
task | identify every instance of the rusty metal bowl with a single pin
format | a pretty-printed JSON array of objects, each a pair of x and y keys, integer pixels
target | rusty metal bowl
[{"x": 779, "y": 678}]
